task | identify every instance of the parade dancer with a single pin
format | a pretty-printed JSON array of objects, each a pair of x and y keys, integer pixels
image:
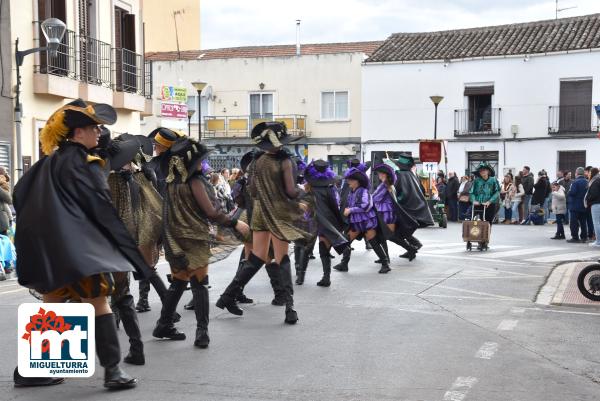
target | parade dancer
[
  {"x": 189, "y": 210},
  {"x": 139, "y": 206},
  {"x": 361, "y": 216},
  {"x": 82, "y": 241},
  {"x": 303, "y": 249},
  {"x": 394, "y": 223},
  {"x": 242, "y": 198},
  {"x": 412, "y": 199},
  {"x": 162, "y": 140},
  {"x": 330, "y": 222},
  {"x": 275, "y": 216}
]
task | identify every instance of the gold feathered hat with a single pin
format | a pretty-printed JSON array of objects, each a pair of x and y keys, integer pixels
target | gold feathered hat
[{"x": 76, "y": 114}]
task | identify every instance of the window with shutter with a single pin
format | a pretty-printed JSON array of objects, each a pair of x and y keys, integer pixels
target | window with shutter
[
  {"x": 575, "y": 113},
  {"x": 84, "y": 33}
]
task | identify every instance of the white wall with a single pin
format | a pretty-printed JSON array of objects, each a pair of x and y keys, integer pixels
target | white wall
[
  {"x": 396, "y": 102},
  {"x": 296, "y": 82}
]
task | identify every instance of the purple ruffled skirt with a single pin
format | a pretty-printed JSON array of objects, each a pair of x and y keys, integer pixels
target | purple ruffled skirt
[
  {"x": 364, "y": 221},
  {"x": 386, "y": 210}
]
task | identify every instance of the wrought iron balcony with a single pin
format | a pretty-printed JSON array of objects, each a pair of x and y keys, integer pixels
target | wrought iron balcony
[
  {"x": 95, "y": 61},
  {"x": 478, "y": 122},
  {"x": 578, "y": 119},
  {"x": 241, "y": 126},
  {"x": 129, "y": 71},
  {"x": 64, "y": 64}
]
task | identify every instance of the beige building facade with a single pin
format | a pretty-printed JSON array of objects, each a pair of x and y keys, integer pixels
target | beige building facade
[
  {"x": 172, "y": 25},
  {"x": 317, "y": 94},
  {"x": 100, "y": 60}
]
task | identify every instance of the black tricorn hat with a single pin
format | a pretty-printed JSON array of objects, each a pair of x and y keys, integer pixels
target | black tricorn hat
[
  {"x": 190, "y": 152},
  {"x": 271, "y": 134},
  {"x": 121, "y": 151},
  {"x": 145, "y": 142},
  {"x": 76, "y": 114}
]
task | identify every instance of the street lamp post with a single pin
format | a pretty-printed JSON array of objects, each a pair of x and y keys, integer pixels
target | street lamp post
[
  {"x": 436, "y": 101},
  {"x": 190, "y": 113},
  {"x": 53, "y": 30},
  {"x": 199, "y": 85}
]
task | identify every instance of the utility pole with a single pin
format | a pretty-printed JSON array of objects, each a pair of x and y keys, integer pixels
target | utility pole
[{"x": 175, "y": 13}]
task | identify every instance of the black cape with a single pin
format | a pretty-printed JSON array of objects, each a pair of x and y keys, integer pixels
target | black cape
[
  {"x": 405, "y": 224},
  {"x": 160, "y": 165},
  {"x": 411, "y": 198},
  {"x": 67, "y": 227},
  {"x": 330, "y": 221}
]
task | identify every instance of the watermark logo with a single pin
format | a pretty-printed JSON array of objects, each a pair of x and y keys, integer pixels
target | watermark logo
[{"x": 56, "y": 340}]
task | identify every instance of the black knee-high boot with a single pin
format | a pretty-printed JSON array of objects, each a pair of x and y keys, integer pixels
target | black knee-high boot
[
  {"x": 126, "y": 309},
  {"x": 285, "y": 269},
  {"x": 109, "y": 354},
  {"x": 242, "y": 298},
  {"x": 414, "y": 242},
  {"x": 326, "y": 262},
  {"x": 142, "y": 303},
  {"x": 343, "y": 265},
  {"x": 411, "y": 250},
  {"x": 161, "y": 289},
  {"x": 201, "y": 308},
  {"x": 164, "y": 326},
  {"x": 248, "y": 270},
  {"x": 301, "y": 259},
  {"x": 275, "y": 279},
  {"x": 385, "y": 247},
  {"x": 368, "y": 246},
  {"x": 380, "y": 252}
]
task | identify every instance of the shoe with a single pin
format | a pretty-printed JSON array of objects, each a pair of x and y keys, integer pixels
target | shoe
[
  {"x": 275, "y": 279},
  {"x": 301, "y": 258},
  {"x": 343, "y": 265},
  {"x": 233, "y": 290},
  {"x": 594, "y": 244},
  {"x": 164, "y": 326},
  {"x": 558, "y": 237},
  {"x": 109, "y": 354},
  {"x": 574, "y": 241},
  {"x": 21, "y": 381},
  {"x": 410, "y": 255},
  {"x": 201, "y": 301},
  {"x": 326, "y": 262},
  {"x": 126, "y": 310},
  {"x": 379, "y": 249}
]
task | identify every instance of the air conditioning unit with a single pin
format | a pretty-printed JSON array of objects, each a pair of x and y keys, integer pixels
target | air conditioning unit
[{"x": 355, "y": 148}]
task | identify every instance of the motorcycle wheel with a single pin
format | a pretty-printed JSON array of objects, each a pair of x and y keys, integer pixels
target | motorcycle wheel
[{"x": 588, "y": 282}]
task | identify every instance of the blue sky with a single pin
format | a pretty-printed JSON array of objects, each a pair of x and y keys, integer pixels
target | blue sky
[{"x": 228, "y": 23}]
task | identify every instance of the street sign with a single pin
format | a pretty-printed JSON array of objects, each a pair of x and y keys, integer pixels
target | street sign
[
  {"x": 430, "y": 151},
  {"x": 173, "y": 94},
  {"x": 173, "y": 110},
  {"x": 430, "y": 168}
]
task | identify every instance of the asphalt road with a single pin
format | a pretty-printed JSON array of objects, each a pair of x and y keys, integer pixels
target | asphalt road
[{"x": 450, "y": 325}]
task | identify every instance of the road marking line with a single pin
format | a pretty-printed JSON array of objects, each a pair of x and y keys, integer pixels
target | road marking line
[
  {"x": 565, "y": 256},
  {"x": 519, "y": 252},
  {"x": 469, "y": 256},
  {"x": 459, "y": 250},
  {"x": 486, "y": 294},
  {"x": 460, "y": 388},
  {"x": 564, "y": 311},
  {"x": 487, "y": 350},
  {"x": 507, "y": 325},
  {"x": 11, "y": 291},
  {"x": 517, "y": 310},
  {"x": 447, "y": 296}
]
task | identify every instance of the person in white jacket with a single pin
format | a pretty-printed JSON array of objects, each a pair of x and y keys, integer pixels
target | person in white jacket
[
  {"x": 517, "y": 198},
  {"x": 559, "y": 207}
]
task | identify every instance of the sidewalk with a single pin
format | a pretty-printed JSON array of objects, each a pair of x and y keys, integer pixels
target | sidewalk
[{"x": 561, "y": 287}]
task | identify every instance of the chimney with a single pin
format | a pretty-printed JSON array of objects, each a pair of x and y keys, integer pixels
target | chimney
[{"x": 297, "y": 37}]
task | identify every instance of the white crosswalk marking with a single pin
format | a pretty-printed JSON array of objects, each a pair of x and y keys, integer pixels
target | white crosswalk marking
[
  {"x": 565, "y": 256},
  {"x": 518, "y": 252},
  {"x": 459, "y": 249}
]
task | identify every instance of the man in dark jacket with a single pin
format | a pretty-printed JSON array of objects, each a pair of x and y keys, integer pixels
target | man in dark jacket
[
  {"x": 577, "y": 208},
  {"x": 528, "y": 183},
  {"x": 452, "y": 195}
]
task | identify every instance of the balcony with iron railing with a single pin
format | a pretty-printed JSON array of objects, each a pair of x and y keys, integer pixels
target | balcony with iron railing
[
  {"x": 478, "y": 122},
  {"x": 129, "y": 71},
  {"x": 241, "y": 126},
  {"x": 64, "y": 64},
  {"x": 95, "y": 62},
  {"x": 569, "y": 120}
]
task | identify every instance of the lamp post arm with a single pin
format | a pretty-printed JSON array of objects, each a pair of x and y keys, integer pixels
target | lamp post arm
[{"x": 20, "y": 55}]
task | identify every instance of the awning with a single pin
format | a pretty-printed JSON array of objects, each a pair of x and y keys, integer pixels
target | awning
[{"x": 479, "y": 90}]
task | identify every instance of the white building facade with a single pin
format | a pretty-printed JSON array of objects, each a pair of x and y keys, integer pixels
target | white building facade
[
  {"x": 505, "y": 101},
  {"x": 317, "y": 94}
]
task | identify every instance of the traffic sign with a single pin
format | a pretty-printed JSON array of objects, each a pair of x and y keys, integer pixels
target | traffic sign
[{"x": 430, "y": 168}]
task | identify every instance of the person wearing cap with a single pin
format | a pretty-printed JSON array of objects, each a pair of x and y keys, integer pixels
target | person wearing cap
[
  {"x": 82, "y": 242},
  {"x": 276, "y": 212},
  {"x": 485, "y": 193},
  {"x": 394, "y": 223},
  {"x": 361, "y": 215},
  {"x": 330, "y": 223},
  {"x": 189, "y": 211},
  {"x": 242, "y": 198},
  {"x": 411, "y": 197}
]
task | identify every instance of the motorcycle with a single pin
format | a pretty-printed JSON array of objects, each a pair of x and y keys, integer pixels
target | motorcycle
[{"x": 588, "y": 282}]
